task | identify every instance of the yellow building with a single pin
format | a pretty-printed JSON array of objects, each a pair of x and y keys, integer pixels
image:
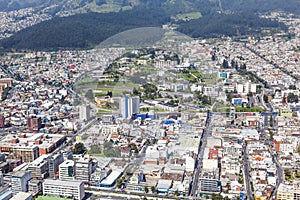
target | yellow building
[
  {"x": 288, "y": 192},
  {"x": 286, "y": 113}
]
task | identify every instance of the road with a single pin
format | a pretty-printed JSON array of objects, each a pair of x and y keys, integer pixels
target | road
[
  {"x": 126, "y": 195},
  {"x": 246, "y": 172},
  {"x": 199, "y": 163}
]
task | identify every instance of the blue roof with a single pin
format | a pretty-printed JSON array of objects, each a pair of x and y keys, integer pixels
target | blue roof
[{"x": 169, "y": 122}]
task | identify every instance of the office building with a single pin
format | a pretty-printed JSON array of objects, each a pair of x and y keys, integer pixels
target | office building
[
  {"x": 67, "y": 170},
  {"x": 54, "y": 162},
  {"x": 67, "y": 189},
  {"x": 129, "y": 106},
  {"x": 39, "y": 167},
  {"x": 19, "y": 181},
  {"x": 83, "y": 169},
  {"x": 84, "y": 112}
]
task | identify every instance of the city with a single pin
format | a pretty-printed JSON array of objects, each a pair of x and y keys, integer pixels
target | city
[{"x": 199, "y": 119}]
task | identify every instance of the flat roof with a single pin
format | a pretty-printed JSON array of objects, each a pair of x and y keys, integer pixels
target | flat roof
[
  {"x": 21, "y": 195},
  {"x": 62, "y": 183}
]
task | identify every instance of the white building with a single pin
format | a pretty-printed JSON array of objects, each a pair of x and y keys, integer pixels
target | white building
[
  {"x": 129, "y": 106},
  {"x": 68, "y": 189},
  {"x": 84, "y": 112},
  {"x": 67, "y": 170}
]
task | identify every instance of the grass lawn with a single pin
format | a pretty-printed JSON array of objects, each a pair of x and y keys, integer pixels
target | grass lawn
[
  {"x": 100, "y": 111},
  {"x": 188, "y": 16},
  {"x": 97, "y": 154}
]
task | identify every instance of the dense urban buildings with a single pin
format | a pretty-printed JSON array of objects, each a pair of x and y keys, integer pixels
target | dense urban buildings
[{"x": 200, "y": 119}]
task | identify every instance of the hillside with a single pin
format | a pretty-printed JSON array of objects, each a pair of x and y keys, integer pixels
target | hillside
[
  {"x": 196, "y": 18},
  {"x": 81, "y": 31}
]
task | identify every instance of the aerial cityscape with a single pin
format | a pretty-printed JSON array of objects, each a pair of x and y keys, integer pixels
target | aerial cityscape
[{"x": 149, "y": 111}]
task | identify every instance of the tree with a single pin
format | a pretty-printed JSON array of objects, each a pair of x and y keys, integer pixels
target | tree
[
  {"x": 79, "y": 148},
  {"x": 292, "y": 98},
  {"x": 153, "y": 189},
  {"x": 225, "y": 64},
  {"x": 266, "y": 98},
  {"x": 292, "y": 87},
  {"x": 146, "y": 189},
  {"x": 176, "y": 193},
  {"x": 271, "y": 121}
]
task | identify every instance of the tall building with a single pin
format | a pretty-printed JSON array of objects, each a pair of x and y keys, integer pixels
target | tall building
[
  {"x": 19, "y": 181},
  {"x": 54, "y": 162},
  {"x": 2, "y": 121},
  {"x": 83, "y": 169},
  {"x": 84, "y": 112},
  {"x": 67, "y": 170},
  {"x": 129, "y": 106},
  {"x": 39, "y": 167},
  {"x": 34, "y": 123},
  {"x": 68, "y": 189}
]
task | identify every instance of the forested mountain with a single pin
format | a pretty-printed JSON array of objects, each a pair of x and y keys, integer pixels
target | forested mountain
[
  {"x": 213, "y": 18},
  {"x": 83, "y": 30}
]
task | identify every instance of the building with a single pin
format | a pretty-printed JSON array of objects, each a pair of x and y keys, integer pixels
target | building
[
  {"x": 19, "y": 181},
  {"x": 39, "y": 143},
  {"x": 54, "y": 162},
  {"x": 288, "y": 192},
  {"x": 26, "y": 153},
  {"x": 5, "y": 192},
  {"x": 2, "y": 121},
  {"x": 67, "y": 170},
  {"x": 39, "y": 167},
  {"x": 84, "y": 112},
  {"x": 68, "y": 189},
  {"x": 111, "y": 179},
  {"x": 22, "y": 195},
  {"x": 129, "y": 106},
  {"x": 34, "y": 123},
  {"x": 35, "y": 186},
  {"x": 209, "y": 182},
  {"x": 83, "y": 169}
]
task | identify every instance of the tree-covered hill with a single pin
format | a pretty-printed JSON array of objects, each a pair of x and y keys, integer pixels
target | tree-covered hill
[
  {"x": 82, "y": 31},
  {"x": 218, "y": 17}
]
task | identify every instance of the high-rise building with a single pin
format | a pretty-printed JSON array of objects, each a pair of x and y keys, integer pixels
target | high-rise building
[
  {"x": 83, "y": 169},
  {"x": 69, "y": 189},
  {"x": 84, "y": 112},
  {"x": 54, "y": 162},
  {"x": 34, "y": 123},
  {"x": 67, "y": 170},
  {"x": 39, "y": 167},
  {"x": 129, "y": 106},
  {"x": 19, "y": 181},
  {"x": 2, "y": 121}
]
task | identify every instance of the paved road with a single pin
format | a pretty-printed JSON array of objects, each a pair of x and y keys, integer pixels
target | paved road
[
  {"x": 246, "y": 172},
  {"x": 199, "y": 163}
]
